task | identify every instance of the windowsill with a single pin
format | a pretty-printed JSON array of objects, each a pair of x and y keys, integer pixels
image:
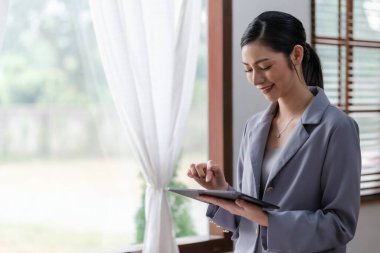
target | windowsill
[
  {"x": 180, "y": 242},
  {"x": 370, "y": 198}
]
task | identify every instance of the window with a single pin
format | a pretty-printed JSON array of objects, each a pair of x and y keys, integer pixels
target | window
[
  {"x": 346, "y": 35},
  {"x": 219, "y": 111},
  {"x": 64, "y": 159},
  {"x": 66, "y": 169}
]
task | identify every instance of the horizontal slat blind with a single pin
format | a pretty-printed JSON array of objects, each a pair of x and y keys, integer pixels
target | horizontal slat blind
[
  {"x": 346, "y": 35},
  {"x": 369, "y": 124},
  {"x": 365, "y": 79},
  {"x": 334, "y": 75}
]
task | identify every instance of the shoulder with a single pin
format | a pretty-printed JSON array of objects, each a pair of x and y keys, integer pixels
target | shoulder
[
  {"x": 335, "y": 119},
  {"x": 329, "y": 115}
]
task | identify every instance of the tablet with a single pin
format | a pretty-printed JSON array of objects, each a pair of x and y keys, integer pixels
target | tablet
[{"x": 228, "y": 195}]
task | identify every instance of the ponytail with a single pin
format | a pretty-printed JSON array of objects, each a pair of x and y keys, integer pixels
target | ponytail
[{"x": 311, "y": 67}]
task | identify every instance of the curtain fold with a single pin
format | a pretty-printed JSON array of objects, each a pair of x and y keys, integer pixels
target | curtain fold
[
  {"x": 4, "y": 6},
  {"x": 149, "y": 54}
]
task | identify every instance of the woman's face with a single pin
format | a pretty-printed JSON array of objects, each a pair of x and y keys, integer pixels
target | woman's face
[{"x": 267, "y": 70}]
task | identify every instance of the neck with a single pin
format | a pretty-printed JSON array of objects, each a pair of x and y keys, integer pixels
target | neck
[{"x": 294, "y": 102}]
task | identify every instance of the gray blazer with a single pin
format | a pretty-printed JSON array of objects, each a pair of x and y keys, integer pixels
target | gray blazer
[{"x": 316, "y": 183}]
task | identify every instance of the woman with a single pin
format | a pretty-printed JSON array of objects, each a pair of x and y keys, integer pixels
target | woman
[{"x": 301, "y": 153}]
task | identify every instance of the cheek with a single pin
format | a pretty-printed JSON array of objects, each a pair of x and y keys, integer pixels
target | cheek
[
  {"x": 273, "y": 76},
  {"x": 279, "y": 75}
]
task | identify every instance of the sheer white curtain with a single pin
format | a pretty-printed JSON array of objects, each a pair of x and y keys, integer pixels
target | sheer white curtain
[
  {"x": 4, "y": 4},
  {"x": 149, "y": 53}
]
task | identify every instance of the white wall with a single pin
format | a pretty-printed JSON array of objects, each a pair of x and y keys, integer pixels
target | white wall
[
  {"x": 247, "y": 101},
  {"x": 367, "y": 236}
]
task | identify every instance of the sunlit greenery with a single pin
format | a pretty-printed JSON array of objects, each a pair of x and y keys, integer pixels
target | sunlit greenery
[
  {"x": 183, "y": 224},
  {"x": 42, "y": 61}
]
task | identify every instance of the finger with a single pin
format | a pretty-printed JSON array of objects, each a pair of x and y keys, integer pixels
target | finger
[
  {"x": 244, "y": 205},
  {"x": 201, "y": 198},
  {"x": 209, "y": 174},
  {"x": 200, "y": 181},
  {"x": 216, "y": 201},
  {"x": 209, "y": 171},
  {"x": 241, "y": 203},
  {"x": 214, "y": 167},
  {"x": 208, "y": 199},
  {"x": 192, "y": 172},
  {"x": 201, "y": 169},
  {"x": 189, "y": 173}
]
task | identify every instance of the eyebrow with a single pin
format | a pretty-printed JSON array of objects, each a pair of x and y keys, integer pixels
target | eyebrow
[{"x": 258, "y": 61}]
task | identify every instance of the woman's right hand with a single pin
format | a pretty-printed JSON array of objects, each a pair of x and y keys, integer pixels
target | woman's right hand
[{"x": 209, "y": 175}]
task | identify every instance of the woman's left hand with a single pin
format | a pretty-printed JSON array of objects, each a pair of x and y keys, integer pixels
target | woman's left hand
[{"x": 239, "y": 207}]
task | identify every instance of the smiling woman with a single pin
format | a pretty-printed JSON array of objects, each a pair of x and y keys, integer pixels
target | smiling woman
[{"x": 319, "y": 151}]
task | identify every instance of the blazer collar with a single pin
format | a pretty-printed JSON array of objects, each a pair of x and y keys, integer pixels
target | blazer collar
[
  {"x": 312, "y": 115},
  {"x": 315, "y": 110}
]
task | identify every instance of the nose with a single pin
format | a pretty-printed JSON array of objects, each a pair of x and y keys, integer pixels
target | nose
[{"x": 256, "y": 77}]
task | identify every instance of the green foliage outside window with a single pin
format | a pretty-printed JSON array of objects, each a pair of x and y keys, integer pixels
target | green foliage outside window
[{"x": 183, "y": 224}]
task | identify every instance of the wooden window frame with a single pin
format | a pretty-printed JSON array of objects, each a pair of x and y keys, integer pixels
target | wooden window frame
[
  {"x": 219, "y": 114},
  {"x": 344, "y": 103},
  {"x": 219, "y": 111}
]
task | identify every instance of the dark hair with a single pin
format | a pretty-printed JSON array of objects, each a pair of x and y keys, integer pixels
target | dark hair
[{"x": 281, "y": 32}]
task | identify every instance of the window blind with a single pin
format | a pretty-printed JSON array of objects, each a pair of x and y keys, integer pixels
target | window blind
[{"x": 346, "y": 36}]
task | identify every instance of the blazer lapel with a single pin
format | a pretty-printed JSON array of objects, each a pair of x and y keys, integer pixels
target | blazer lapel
[
  {"x": 298, "y": 138},
  {"x": 312, "y": 116},
  {"x": 258, "y": 143}
]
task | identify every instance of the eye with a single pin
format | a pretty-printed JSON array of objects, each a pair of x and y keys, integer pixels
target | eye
[
  {"x": 247, "y": 70},
  {"x": 266, "y": 68}
]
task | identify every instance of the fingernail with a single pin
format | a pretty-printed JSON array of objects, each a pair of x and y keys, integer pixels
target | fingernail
[{"x": 207, "y": 179}]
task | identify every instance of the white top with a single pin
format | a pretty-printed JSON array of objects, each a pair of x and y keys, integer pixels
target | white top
[{"x": 270, "y": 159}]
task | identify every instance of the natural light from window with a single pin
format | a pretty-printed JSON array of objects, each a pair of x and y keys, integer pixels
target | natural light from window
[{"x": 68, "y": 180}]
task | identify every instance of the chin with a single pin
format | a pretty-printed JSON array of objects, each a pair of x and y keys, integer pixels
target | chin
[{"x": 271, "y": 99}]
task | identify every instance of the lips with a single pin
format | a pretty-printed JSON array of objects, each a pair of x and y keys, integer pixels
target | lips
[{"x": 266, "y": 89}]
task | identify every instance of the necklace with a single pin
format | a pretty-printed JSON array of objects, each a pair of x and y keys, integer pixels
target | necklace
[{"x": 278, "y": 136}]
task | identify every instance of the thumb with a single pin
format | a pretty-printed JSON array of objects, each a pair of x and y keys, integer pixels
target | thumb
[
  {"x": 209, "y": 175},
  {"x": 212, "y": 166},
  {"x": 211, "y": 170}
]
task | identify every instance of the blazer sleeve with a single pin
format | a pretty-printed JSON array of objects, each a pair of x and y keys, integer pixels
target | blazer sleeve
[
  {"x": 221, "y": 216},
  {"x": 334, "y": 224}
]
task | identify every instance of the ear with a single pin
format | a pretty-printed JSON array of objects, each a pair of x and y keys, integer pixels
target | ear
[{"x": 297, "y": 55}]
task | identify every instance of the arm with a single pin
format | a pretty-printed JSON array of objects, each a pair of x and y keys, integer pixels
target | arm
[
  {"x": 221, "y": 216},
  {"x": 334, "y": 224}
]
